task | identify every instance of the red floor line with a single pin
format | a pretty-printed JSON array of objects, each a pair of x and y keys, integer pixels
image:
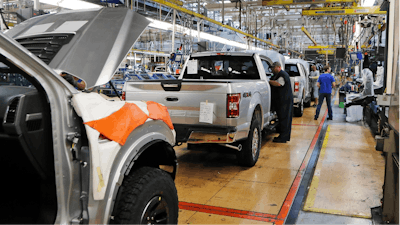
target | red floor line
[
  {"x": 295, "y": 186},
  {"x": 229, "y": 212},
  {"x": 310, "y": 125}
]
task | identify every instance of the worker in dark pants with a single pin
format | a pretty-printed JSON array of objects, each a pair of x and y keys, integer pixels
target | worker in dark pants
[
  {"x": 282, "y": 98},
  {"x": 325, "y": 84}
]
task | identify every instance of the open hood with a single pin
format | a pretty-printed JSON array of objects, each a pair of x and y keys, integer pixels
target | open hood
[{"x": 89, "y": 44}]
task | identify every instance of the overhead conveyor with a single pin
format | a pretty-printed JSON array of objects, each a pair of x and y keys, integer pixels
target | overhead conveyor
[
  {"x": 301, "y": 2},
  {"x": 345, "y": 11}
]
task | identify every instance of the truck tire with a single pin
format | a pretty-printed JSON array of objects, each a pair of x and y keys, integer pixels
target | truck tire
[
  {"x": 147, "y": 195},
  {"x": 250, "y": 152},
  {"x": 298, "y": 111},
  {"x": 308, "y": 103}
]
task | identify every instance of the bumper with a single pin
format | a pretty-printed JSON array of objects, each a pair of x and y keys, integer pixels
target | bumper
[{"x": 205, "y": 134}]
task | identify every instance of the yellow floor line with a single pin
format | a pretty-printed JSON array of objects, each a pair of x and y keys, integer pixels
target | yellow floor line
[
  {"x": 312, "y": 193},
  {"x": 337, "y": 212}
]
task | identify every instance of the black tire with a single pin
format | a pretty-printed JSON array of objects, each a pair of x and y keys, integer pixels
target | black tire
[
  {"x": 308, "y": 103},
  {"x": 298, "y": 111},
  {"x": 147, "y": 195},
  {"x": 250, "y": 152},
  {"x": 190, "y": 146}
]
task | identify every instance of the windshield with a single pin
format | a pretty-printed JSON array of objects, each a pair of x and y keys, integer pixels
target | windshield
[
  {"x": 9, "y": 76},
  {"x": 292, "y": 70},
  {"x": 221, "y": 67}
]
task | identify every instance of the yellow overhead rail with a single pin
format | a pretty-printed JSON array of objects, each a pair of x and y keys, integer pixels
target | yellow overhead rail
[
  {"x": 337, "y": 11},
  {"x": 308, "y": 35},
  {"x": 326, "y": 46},
  {"x": 174, "y": 6},
  {"x": 326, "y": 52},
  {"x": 301, "y": 2}
]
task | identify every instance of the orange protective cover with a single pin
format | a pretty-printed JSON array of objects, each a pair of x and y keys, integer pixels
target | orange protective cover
[{"x": 121, "y": 123}]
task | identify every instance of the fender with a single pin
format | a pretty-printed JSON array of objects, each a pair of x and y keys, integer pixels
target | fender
[
  {"x": 138, "y": 141},
  {"x": 255, "y": 100},
  {"x": 299, "y": 96}
]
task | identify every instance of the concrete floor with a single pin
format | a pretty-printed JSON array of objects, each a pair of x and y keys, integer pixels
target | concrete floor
[
  {"x": 213, "y": 189},
  {"x": 322, "y": 218}
]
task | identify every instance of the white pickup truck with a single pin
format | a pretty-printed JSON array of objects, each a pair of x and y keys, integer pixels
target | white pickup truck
[{"x": 221, "y": 98}]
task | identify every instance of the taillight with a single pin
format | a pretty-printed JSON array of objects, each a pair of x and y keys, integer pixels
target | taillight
[
  {"x": 123, "y": 96},
  {"x": 296, "y": 86},
  {"x": 232, "y": 105}
]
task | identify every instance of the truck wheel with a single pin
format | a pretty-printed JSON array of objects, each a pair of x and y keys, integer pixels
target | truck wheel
[
  {"x": 248, "y": 156},
  {"x": 308, "y": 103},
  {"x": 148, "y": 195},
  {"x": 298, "y": 111}
]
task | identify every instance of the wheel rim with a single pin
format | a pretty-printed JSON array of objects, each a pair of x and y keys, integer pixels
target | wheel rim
[
  {"x": 156, "y": 211},
  {"x": 255, "y": 141}
]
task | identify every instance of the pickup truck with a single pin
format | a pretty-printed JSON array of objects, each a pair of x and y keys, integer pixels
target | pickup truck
[
  {"x": 220, "y": 97},
  {"x": 298, "y": 71},
  {"x": 58, "y": 167}
]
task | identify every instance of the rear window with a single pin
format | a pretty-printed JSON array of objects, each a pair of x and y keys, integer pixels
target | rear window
[
  {"x": 292, "y": 70},
  {"x": 222, "y": 67}
]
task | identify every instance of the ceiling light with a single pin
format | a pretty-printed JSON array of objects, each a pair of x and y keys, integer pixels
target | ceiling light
[
  {"x": 203, "y": 35},
  {"x": 367, "y": 3}
]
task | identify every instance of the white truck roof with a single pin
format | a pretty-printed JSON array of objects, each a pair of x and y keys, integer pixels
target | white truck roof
[
  {"x": 305, "y": 63},
  {"x": 273, "y": 55}
]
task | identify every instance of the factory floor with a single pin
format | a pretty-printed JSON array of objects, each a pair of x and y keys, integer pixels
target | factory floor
[{"x": 328, "y": 173}]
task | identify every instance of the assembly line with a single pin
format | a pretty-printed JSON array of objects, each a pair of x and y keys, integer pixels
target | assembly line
[{"x": 199, "y": 112}]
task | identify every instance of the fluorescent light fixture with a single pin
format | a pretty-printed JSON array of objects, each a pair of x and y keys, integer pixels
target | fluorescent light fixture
[
  {"x": 203, "y": 35},
  {"x": 71, "y": 4},
  {"x": 368, "y": 3}
]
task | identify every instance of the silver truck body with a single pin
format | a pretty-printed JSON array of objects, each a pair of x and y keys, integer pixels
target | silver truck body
[
  {"x": 73, "y": 184},
  {"x": 184, "y": 104}
]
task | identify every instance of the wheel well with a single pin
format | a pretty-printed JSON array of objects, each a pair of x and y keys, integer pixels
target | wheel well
[
  {"x": 157, "y": 154},
  {"x": 258, "y": 110}
]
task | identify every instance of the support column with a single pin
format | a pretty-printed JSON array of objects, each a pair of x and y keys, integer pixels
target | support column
[
  {"x": 134, "y": 64},
  {"x": 223, "y": 11},
  {"x": 2, "y": 25},
  {"x": 173, "y": 31},
  {"x": 198, "y": 30},
  {"x": 36, "y": 4}
]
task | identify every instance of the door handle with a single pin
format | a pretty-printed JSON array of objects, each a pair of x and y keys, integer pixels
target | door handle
[{"x": 172, "y": 99}]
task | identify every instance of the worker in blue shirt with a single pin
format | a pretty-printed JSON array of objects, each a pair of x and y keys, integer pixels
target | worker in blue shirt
[{"x": 325, "y": 83}]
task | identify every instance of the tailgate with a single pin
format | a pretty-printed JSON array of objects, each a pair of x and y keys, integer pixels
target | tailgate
[
  {"x": 183, "y": 98},
  {"x": 292, "y": 81}
]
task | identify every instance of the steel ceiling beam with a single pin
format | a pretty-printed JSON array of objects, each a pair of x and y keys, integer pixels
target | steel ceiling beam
[
  {"x": 189, "y": 12},
  {"x": 218, "y": 6}
]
